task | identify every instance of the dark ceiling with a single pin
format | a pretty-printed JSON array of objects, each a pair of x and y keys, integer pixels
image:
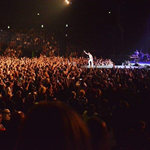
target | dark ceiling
[{"x": 114, "y": 26}]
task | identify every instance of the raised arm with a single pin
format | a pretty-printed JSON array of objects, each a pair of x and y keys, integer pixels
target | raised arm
[{"x": 85, "y": 52}]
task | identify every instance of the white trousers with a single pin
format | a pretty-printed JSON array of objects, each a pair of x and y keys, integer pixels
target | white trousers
[{"x": 90, "y": 62}]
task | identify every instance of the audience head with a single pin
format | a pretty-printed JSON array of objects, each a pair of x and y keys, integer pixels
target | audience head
[
  {"x": 99, "y": 92},
  {"x": 1, "y": 117},
  {"x": 73, "y": 94},
  {"x": 16, "y": 120},
  {"x": 104, "y": 102},
  {"x": 141, "y": 125},
  {"x": 82, "y": 93},
  {"x": 99, "y": 133},
  {"x": 124, "y": 105},
  {"x": 42, "y": 90},
  {"x": 91, "y": 108},
  {"x": 2, "y": 128},
  {"x": 53, "y": 126},
  {"x": 31, "y": 97},
  {"x": 6, "y": 114}
]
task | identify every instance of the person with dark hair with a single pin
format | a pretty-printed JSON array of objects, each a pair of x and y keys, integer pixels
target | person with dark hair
[
  {"x": 30, "y": 100},
  {"x": 41, "y": 95},
  {"x": 90, "y": 113},
  {"x": 9, "y": 137},
  {"x": 121, "y": 122},
  {"x": 83, "y": 100},
  {"x": 138, "y": 138},
  {"x": 99, "y": 133},
  {"x": 9, "y": 89},
  {"x": 2, "y": 133},
  {"x": 2, "y": 102},
  {"x": 17, "y": 98},
  {"x": 6, "y": 118},
  {"x": 53, "y": 125},
  {"x": 2, "y": 128},
  {"x": 90, "y": 61},
  {"x": 105, "y": 112},
  {"x": 74, "y": 102},
  {"x": 103, "y": 109}
]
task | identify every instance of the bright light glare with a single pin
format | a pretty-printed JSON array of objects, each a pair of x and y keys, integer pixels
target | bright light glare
[
  {"x": 8, "y": 27},
  {"x": 109, "y": 12},
  {"x": 38, "y": 14},
  {"x": 42, "y": 26},
  {"x": 67, "y": 1},
  {"x": 66, "y": 25}
]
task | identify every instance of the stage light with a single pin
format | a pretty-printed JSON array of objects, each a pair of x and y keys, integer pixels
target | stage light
[
  {"x": 8, "y": 27},
  {"x": 66, "y": 25},
  {"x": 109, "y": 12},
  {"x": 66, "y": 35},
  {"x": 38, "y": 14},
  {"x": 67, "y": 1},
  {"x": 42, "y": 26}
]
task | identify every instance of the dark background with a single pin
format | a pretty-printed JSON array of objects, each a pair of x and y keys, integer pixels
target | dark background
[{"x": 121, "y": 32}]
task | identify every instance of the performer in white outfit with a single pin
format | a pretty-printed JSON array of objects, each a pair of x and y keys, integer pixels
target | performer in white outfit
[{"x": 90, "y": 62}]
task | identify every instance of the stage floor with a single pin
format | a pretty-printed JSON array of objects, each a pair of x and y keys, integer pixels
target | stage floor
[{"x": 139, "y": 65}]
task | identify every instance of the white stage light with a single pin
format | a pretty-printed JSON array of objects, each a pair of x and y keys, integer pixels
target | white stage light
[{"x": 67, "y": 1}]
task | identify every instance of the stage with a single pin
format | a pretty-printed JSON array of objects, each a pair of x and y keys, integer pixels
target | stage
[{"x": 132, "y": 65}]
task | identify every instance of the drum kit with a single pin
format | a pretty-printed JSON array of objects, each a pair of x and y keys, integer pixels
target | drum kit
[{"x": 141, "y": 57}]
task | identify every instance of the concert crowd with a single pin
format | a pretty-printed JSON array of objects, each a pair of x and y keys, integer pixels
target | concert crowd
[
  {"x": 37, "y": 95},
  {"x": 54, "y": 102},
  {"x": 19, "y": 42}
]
